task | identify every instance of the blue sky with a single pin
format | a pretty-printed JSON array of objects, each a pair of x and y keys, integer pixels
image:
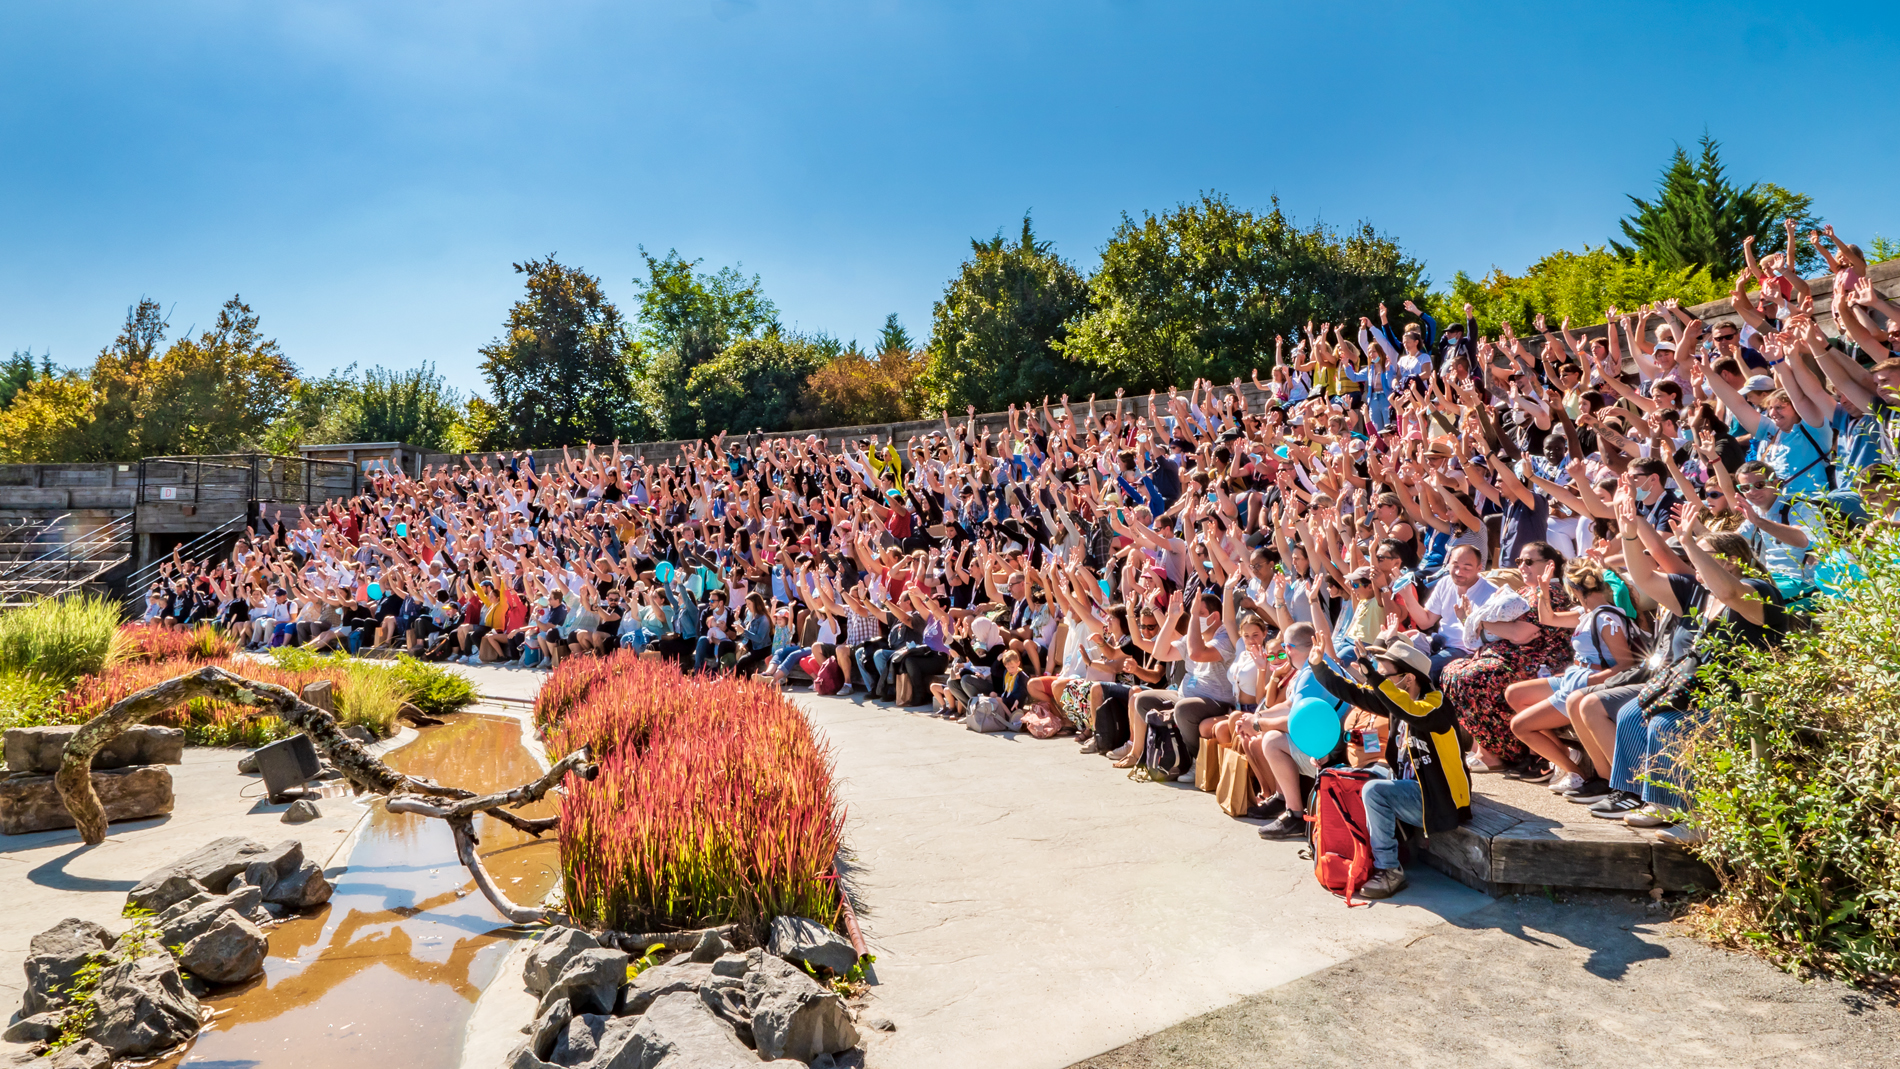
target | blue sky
[{"x": 365, "y": 173}]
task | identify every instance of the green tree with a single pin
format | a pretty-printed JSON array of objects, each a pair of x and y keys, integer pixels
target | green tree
[
  {"x": 1579, "y": 286},
  {"x": 893, "y": 336},
  {"x": 754, "y": 383},
  {"x": 18, "y": 371},
  {"x": 687, "y": 319},
  {"x": 560, "y": 374},
  {"x": 47, "y": 420},
  {"x": 1700, "y": 219},
  {"x": 997, "y": 331},
  {"x": 214, "y": 392},
  {"x": 1203, "y": 291}
]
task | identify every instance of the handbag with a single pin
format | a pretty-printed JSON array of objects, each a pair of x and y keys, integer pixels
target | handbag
[
  {"x": 1208, "y": 767},
  {"x": 1235, "y": 789},
  {"x": 1671, "y": 688}
]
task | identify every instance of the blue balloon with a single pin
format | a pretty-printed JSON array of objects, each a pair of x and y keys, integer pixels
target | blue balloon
[
  {"x": 376, "y": 592},
  {"x": 402, "y": 530},
  {"x": 1314, "y": 728},
  {"x": 663, "y": 571}
]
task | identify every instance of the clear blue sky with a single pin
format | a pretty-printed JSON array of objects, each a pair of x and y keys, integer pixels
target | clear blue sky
[{"x": 365, "y": 173}]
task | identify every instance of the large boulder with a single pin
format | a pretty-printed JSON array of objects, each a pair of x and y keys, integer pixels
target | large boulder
[
  {"x": 677, "y": 1032},
  {"x": 800, "y": 939},
  {"x": 194, "y": 916},
  {"x": 548, "y": 1028},
  {"x": 141, "y": 1006},
  {"x": 30, "y": 802},
  {"x": 38, "y": 1029},
  {"x": 725, "y": 996},
  {"x": 590, "y": 981},
  {"x": 53, "y": 958},
  {"x": 230, "y": 951},
  {"x": 84, "y": 1054},
  {"x": 792, "y": 1016},
  {"x": 211, "y": 868},
  {"x": 551, "y": 955},
  {"x": 584, "y": 1038},
  {"x": 302, "y": 889},
  {"x": 42, "y": 749},
  {"x": 661, "y": 980}
]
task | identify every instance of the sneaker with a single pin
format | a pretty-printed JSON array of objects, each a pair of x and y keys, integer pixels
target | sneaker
[
  {"x": 1617, "y": 806},
  {"x": 1268, "y": 809},
  {"x": 844, "y": 690},
  {"x": 1683, "y": 835},
  {"x": 1285, "y": 827},
  {"x": 1119, "y": 752},
  {"x": 1384, "y": 883},
  {"x": 1091, "y": 746},
  {"x": 1589, "y": 792},
  {"x": 1650, "y": 816},
  {"x": 1530, "y": 770},
  {"x": 1476, "y": 763},
  {"x": 1565, "y": 781}
]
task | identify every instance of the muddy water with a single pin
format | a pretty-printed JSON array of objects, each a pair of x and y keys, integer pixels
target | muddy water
[{"x": 387, "y": 973}]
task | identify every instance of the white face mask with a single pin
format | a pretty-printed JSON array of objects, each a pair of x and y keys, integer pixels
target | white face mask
[{"x": 1642, "y": 495}]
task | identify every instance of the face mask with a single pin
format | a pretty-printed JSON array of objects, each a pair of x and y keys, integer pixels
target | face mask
[{"x": 1642, "y": 495}]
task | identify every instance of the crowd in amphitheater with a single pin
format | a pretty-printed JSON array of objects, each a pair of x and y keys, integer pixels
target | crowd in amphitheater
[{"x": 1482, "y": 554}]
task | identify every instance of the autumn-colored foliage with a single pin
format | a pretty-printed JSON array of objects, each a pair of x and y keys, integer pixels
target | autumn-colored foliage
[
  {"x": 153, "y": 642},
  {"x": 206, "y": 723},
  {"x": 714, "y": 802}
]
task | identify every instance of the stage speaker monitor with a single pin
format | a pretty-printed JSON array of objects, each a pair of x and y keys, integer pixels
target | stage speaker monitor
[{"x": 287, "y": 764}]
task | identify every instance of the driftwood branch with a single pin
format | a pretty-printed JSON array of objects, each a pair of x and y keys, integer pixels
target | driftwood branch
[{"x": 403, "y": 794}]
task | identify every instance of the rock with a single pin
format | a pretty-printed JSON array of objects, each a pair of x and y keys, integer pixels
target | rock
[
  {"x": 303, "y": 889},
  {"x": 591, "y": 981},
  {"x": 677, "y": 1032},
  {"x": 259, "y": 874},
  {"x": 725, "y": 996},
  {"x": 710, "y": 947},
  {"x": 321, "y": 694},
  {"x": 358, "y": 732},
  {"x": 212, "y": 867},
  {"x": 734, "y": 965},
  {"x": 792, "y": 1016},
  {"x": 37, "y": 1029},
  {"x": 42, "y": 749},
  {"x": 551, "y": 955},
  {"x": 84, "y": 1054},
  {"x": 177, "y": 928},
  {"x": 301, "y": 811},
  {"x": 247, "y": 765},
  {"x": 53, "y": 958},
  {"x": 799, "y": 939},
  {"x": 230, "y": 951},
  {"x": 661, "y": 980},
  {"x": 582, "y": 1039},
  {"x": 32, "y": 802},
  {"x": 141, "y": 1007},
  {"x": 548, "y": 1027},
  {"x": 882, "y": 1024}
]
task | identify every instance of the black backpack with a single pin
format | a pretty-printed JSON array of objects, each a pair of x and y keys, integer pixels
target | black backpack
[{"x": 1164, "y": 750}]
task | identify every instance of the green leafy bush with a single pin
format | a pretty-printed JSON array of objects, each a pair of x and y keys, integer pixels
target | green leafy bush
[
  {"x": 1795, "y": 780},
  {"x": 433, "y": 688},
  {"x": 28, "y": 699},
  {"x": 60, "y": 638}
]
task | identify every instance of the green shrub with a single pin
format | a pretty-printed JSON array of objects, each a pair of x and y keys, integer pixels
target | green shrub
[
  {"x": 434, "y": 688},
  {"x": 60, "y": 638},
  {"x": 1795, "y": 781},
  {"x": 28, "y": 700},
  {"x": 371, "y": 699}
]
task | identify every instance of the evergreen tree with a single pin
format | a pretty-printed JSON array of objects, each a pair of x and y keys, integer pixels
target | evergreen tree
[
  {"x": 1699, "y": 219},
  {"x": 893, "y": 336}
]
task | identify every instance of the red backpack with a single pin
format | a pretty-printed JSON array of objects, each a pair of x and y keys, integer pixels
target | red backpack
[{"x": 1341, "y": 844}]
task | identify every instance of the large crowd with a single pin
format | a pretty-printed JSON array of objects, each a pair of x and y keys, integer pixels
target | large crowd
[{"x": 1483, "y": 554}]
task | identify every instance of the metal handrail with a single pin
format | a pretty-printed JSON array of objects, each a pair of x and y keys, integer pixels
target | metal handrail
[
  {"x": 187, "y": 551},
  {"x": 115, "y": 531}
]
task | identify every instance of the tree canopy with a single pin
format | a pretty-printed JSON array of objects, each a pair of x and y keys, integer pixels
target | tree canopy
[
  {"x": 559, "y": 375},
  {"x": 1203, "y": 290},
  {"x": 1699, "y": 219},
  {"x": 998, "y": 328}
]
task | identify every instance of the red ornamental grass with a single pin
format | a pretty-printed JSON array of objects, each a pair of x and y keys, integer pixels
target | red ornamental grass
[
  {"x": 218, "y": 723},
  {"x": 714, "y": 804},
  {"x": 151, "y": 642}
]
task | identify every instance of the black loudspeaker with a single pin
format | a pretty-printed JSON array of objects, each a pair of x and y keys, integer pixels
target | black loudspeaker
[{"x": 287, "y": 764}]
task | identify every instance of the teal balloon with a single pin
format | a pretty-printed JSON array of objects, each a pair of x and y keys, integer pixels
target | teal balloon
[
  {"x": 1314, "y": 728},
  {"x": 1105, "y": 591},
  {"x": 663, "y": 572},
  {"x": 402, "y": 530},
  {"x": 376, "y": 592}
]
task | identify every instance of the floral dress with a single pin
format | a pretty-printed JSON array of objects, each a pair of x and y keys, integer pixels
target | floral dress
[{"x": 1475, "y": 685}]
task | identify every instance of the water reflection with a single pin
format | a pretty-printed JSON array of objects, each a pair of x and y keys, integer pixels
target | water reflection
[{"x": 388, "y": 972}]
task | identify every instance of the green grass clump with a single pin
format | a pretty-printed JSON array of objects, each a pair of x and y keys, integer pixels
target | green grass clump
[
  {"x": 434, "y": 689},
  {"x": 28, "y": 700},
  {"x": 60, "y": 638},
  {"x": 371, "y": 700}
]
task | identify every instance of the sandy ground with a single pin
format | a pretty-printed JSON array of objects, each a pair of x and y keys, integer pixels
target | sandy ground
[{"x": 1592, "y": 981}]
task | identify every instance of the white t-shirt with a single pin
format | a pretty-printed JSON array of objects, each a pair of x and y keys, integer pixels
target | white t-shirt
[{"x": 1444, "y": 602}]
